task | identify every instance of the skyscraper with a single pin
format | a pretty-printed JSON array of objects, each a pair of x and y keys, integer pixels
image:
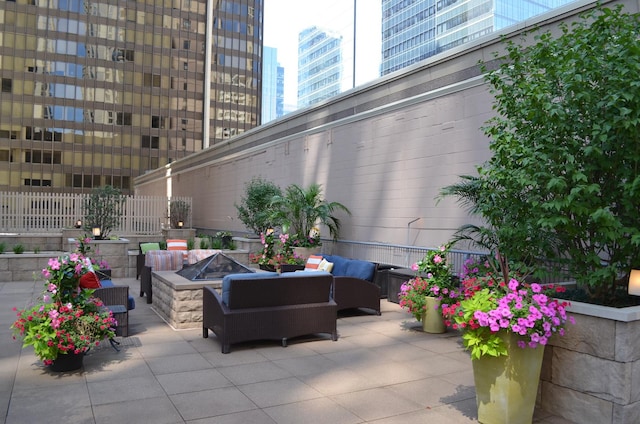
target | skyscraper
[
  {"x": 98, "y": 92},
  {"x": 319, "y": 65},
  {"x": 415, "y": 30},
  {"x": 272, "y": 85}
]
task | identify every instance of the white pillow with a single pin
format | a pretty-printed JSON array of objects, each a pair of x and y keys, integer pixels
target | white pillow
[{"x": 325, "y": 265}]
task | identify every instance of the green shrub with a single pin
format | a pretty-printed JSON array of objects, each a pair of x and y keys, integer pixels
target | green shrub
[
  {"x": 255, "y": 209},
  {"x": 2, "y": 247},
  {"x": 18, "y": 248}
]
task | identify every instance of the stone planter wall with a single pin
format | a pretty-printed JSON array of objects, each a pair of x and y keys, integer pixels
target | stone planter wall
[
  {"x": 24, "y": 266},
  {"x": 115, "y": 252},
  {"x": 177, "y": 300},
  {"x": 592, "y": 374}
]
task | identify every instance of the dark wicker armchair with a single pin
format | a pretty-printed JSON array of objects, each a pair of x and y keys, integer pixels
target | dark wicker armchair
[{"x": 116, "y": 299}]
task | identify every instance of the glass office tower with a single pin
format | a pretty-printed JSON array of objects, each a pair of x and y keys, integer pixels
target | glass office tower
[
  {"x": 98, "y": 92},
  {"x": 319, "y": 65},
  {"x": 415, "y": 30}
]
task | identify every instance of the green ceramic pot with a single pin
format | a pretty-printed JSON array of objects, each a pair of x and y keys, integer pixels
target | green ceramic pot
[{"x": 507, "y": 386}]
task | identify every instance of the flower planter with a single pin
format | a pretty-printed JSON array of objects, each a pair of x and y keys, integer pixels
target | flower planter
[
  {"x": 67, "y": 362},
  {"x": 432, "y": 319},
  {"x": 305, "y": 252},
  {"x": 507, "y": 386}
]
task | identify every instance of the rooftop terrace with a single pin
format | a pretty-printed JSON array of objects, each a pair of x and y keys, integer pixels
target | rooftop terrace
[{"x": 383, "y": 369}]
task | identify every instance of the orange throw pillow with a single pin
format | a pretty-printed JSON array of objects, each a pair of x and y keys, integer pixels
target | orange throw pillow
[
  {"x": 312, "y": 263},
  {"x": 90, "y": 281}
]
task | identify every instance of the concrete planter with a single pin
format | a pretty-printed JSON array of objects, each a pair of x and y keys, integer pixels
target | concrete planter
[{"x": 592, "y": 374}]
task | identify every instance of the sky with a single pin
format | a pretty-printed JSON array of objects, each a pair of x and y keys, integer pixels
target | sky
[{"x": 284, "y": 19}]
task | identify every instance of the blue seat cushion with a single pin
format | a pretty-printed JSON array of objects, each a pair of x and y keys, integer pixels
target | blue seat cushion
[
  {"x": 131, "y": 301},
  {"x": 226, "y": 281},
  {"x": 343, "y": 267}
]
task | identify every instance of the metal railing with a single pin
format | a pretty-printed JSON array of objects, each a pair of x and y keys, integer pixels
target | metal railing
[
  {"x": 51, "y": 212},
  {"x": 396, "y": 255}
]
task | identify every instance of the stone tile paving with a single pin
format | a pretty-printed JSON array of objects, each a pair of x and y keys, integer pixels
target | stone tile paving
[{"x": 383, "y": 370}]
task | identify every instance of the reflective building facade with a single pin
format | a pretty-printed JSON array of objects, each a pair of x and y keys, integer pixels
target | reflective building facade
[
  {"x": 98, "y": 92},
  {"x": 319, "y": 65},
  {"x": 413, "y": 30}
]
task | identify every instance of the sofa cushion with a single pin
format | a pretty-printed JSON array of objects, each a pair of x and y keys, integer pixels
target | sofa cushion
[
  {"x": 343, "y": 267},
  {"x": 226, "y": 281},
  {"x": 145, "y": 247},
  {"x": 164, "y": 260},
  {"x": 339, "y": 264}
]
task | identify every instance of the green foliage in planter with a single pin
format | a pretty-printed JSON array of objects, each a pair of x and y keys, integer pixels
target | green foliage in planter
[
  {"x": 255, "y": 209},
  {"x": 36, "y": 249},
  {"x": 205, "y": 241},
  {"x": 179, "y": 210},
  {"x": 103, "y": 208},
  {"x": 191, "y": 244},
  {"x": 300, "y": 209},
  {"x": 3, "y": 246},
  {"x": 216, "y": 243},
  {"x": 18, "y": 248},
  {"x": 564, "y": 178}
]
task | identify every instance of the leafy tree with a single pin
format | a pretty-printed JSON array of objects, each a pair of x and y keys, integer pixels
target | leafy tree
[
  {"x": 564, "y": 178},
  {"x": 103, "y": 208},
  {"x": 254, "y": 209}
]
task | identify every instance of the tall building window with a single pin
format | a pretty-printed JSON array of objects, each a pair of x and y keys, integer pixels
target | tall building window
[
  {"x": 150, "y": 142},
  {"x": 151, "y": 80},
  {"x": 7, "y": 85},
  {"x": 123, "y": 118},
  {"x": 158, "y": 122}
]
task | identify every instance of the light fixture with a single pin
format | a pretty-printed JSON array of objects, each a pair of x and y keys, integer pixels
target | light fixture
[
  {"x": 79, "y": 223},
  {"x": 180, "y": 224},
  {"x": 96, "y": 231},
  {"x": 634, "y": 282}
]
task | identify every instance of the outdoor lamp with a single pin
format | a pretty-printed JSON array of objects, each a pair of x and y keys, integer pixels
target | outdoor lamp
[
  {"x": 180, "y": 224},
  {"x": 634, "y": 282},
  {"x": 79, "y": 223},
  {"x": 96, "y": 232}
]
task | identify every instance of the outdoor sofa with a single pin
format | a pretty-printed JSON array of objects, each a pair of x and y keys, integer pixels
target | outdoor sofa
[{"x": 269, "y": 306}]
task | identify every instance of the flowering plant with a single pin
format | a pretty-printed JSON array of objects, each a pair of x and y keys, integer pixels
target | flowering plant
[
  {"x": 310, "y": 240},
  {"x": 64, "y": 318},
  {"x": 491, "y": 304},
  {"x": 433, "y": 278},
  {"x": 83, "y": 247},
  {"x": 274, "y": 254}
]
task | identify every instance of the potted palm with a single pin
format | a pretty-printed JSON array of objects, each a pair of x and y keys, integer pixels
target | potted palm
[
  {"x": 65, "y": 321},
  {"x": 299, "y": 211}
]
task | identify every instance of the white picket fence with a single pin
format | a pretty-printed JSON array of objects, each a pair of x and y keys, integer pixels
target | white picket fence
[{"x": 51, "y": 212}]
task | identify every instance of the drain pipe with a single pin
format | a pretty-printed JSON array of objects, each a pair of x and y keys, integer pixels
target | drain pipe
[{"x": 408, "y": 239}]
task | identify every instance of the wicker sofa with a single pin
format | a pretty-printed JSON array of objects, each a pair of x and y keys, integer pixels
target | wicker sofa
[
  {"x": 353, "y": 283},
  {"x": 269, "y": 306}
]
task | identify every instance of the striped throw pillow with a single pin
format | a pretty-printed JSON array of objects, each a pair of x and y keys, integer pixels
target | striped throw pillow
[
  {"x": 178, "y": 245},
  {"x": 312, "y": 263}
]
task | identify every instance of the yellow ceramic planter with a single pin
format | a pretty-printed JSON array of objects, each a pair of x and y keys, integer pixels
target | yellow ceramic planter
[
  {"x": 432, "y": 320},
  {"x": 507, "y": 386}
]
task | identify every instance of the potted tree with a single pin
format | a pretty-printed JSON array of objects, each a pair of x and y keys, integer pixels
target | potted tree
[
  {"x": 560, "y": 192},
  {"x": 102, "y": 211}
]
